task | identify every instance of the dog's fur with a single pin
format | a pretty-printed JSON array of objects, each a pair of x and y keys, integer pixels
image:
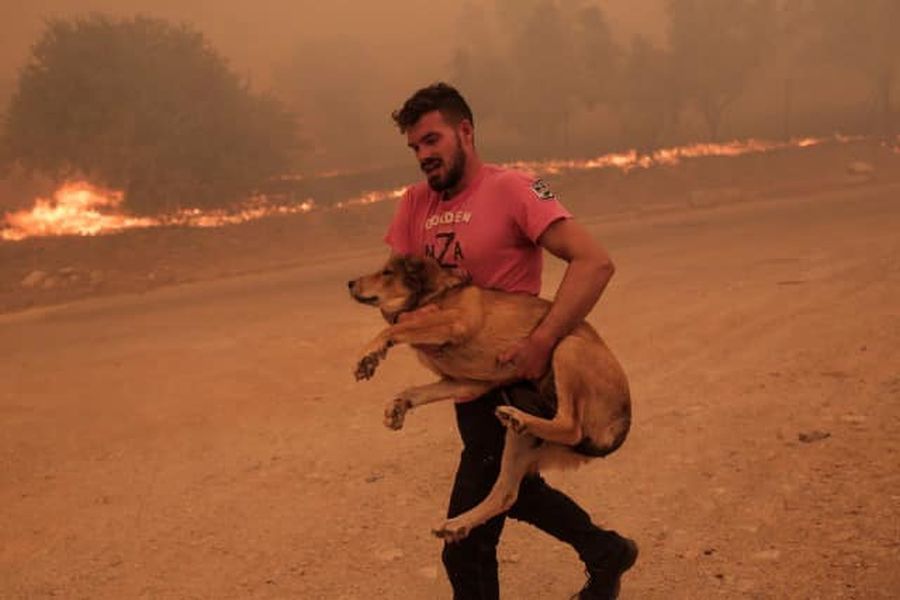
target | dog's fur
[{"x": 471, "y": 327}]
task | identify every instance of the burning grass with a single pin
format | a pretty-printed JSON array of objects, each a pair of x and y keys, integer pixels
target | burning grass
[{"x": 79, "y": 208}]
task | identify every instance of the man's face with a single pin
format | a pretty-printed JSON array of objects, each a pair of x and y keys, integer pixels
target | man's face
[{"x": 439, "y": 150}]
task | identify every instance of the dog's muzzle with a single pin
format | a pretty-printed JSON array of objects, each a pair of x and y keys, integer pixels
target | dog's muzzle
[{"x": 370, "y": 300}]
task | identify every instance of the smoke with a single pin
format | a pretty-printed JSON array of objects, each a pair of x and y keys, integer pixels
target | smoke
[{"x": 546, "y": 78}]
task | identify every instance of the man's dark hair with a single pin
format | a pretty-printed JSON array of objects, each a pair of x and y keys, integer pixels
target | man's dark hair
[{"x": 437, "y": 96}]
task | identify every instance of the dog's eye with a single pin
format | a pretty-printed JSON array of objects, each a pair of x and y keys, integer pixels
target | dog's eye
[{"x": 387, "y": 273}]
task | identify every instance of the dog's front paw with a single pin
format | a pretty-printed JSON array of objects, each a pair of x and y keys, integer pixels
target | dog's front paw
[
  {"x": 366, "y": 366},
  {"x": 372, "y": 355},
  {"x": 452, "y": 530},
  {"x": 395, "y": 413},
  {"x": 512, "y": 418}
]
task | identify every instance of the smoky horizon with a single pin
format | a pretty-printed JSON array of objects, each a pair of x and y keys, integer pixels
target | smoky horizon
[{"x": 293, "y": 100}]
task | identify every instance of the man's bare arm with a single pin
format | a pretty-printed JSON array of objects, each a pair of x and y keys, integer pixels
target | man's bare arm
[{"x": 587, "y": 275}]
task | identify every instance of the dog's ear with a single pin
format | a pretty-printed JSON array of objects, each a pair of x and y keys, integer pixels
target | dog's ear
[{"x": 416, "y": 276}]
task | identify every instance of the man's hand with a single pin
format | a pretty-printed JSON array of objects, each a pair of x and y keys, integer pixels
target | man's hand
[{"x": 530, "y": 356}]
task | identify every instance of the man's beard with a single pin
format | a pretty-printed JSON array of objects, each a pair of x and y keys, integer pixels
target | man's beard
[{"x": 454, "y": 172}]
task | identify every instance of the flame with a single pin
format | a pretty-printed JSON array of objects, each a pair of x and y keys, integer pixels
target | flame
[
  {"x": 626, "y": 161},
  {"x": 372, "y": 197},
  {"x": 894, "y": 146},
  {"x": 79, "y": 208},
  {"x": 75, "y": 209},
  {"x": 256, "y": 208}
]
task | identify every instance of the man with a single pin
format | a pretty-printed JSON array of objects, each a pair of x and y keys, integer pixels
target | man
[{"x": 494, "y": 223}]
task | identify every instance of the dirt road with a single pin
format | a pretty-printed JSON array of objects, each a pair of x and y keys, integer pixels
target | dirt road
[{"x": 208, "y": 440}]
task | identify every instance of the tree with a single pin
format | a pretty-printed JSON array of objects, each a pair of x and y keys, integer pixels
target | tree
[
  {"x": 716, "y": 45},
  {"x": 595, "y": 54},
  {"x": 144, "y": 106},
  {"x": 477, "y": 62},
  {"x": 648, "y": 101},
  {"x": 339, "y": 100},
  {"x": 864, "y": 35},
  {"x": 541, "y": 53},
  {"x": 564, "y": 58}
]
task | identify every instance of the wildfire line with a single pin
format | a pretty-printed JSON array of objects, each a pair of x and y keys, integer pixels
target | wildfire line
[{"x": 79, "y": 208}]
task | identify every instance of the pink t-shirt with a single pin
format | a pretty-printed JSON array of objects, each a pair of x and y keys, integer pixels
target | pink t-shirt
[{"x": 488, "y": 230}]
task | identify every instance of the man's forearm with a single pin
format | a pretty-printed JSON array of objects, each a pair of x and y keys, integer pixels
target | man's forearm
[{"x": 581, "y": 287}]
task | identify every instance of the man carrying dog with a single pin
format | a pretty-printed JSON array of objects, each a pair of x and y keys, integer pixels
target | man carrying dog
[{"x": 493, "y": 224}]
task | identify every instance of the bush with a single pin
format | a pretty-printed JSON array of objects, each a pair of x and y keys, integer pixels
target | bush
[{"x": 148, "y": 107}]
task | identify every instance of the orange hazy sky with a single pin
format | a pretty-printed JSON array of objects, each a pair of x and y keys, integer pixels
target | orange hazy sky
[{"x": 255, "y": 35}]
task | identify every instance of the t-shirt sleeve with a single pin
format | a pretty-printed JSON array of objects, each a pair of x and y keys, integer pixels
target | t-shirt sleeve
[
  {"x": 398, "y": 234},
  {"x": 535, "y": 206}
]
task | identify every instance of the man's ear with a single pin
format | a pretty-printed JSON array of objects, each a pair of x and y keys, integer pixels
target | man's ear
[{"x": 467, "y": 131}]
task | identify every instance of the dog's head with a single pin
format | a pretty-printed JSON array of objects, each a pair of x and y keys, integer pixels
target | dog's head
[{"x": 405, "y": 283}]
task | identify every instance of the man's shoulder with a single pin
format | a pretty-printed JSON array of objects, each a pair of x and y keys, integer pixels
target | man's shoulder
[
  {"x": 510, "y": 176},
  {"x": 522, "y": 183}
]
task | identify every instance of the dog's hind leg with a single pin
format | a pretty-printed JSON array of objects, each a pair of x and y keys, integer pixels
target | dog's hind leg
[
  {"x": 520, "y": 453},
  {"x": 565, "y": 426},
  {"x": 562, "y": 429},
  {"x": 445, "y": 389}
]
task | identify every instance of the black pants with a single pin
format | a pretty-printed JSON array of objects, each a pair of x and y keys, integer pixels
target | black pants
[{"x": 472, "y": 563}]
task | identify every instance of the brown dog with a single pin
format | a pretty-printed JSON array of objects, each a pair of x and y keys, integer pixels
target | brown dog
[{"x": 472, "y": 326}]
